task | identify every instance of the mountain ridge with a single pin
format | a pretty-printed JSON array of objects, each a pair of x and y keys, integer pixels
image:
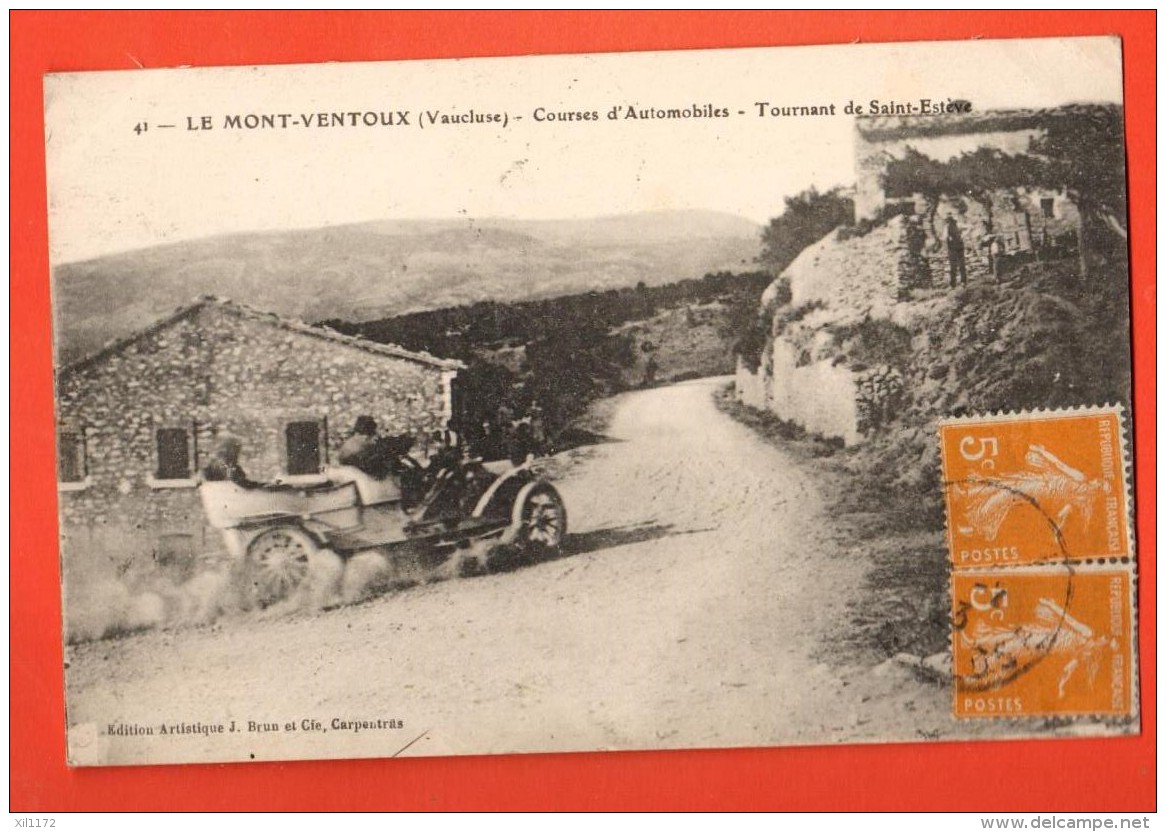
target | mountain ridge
[{"x": 377, "y": 269}]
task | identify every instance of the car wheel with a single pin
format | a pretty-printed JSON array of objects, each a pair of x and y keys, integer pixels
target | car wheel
[
  {"x": 541, "y": 522},
  {"x": 277, "y": 563}
]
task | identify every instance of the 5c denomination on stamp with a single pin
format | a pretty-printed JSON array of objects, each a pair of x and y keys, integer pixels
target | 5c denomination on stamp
[
  {"x": 1032, "y": 488},
  {"x": 1042, "y": 643}
]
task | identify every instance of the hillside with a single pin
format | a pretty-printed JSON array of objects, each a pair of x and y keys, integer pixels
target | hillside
[
  {"x": 562, "y": 353},
  {"x": 376, "y": 270},
  {"x": 689, "y": 342},
  {"x": 827, "y": 349}
]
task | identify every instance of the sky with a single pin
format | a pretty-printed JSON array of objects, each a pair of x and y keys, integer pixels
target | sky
[{"x": 113, "y": 189}]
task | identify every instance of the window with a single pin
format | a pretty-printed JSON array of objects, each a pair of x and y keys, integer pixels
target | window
[
  {"x": 1046, "y": 207},
  {"x": 71, "y": 457},
  {"x": 173, "y": 454},
  {"x": 305, "y": 443}
]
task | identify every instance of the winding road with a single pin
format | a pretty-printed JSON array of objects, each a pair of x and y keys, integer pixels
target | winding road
[{"x": 692, "y": 607}]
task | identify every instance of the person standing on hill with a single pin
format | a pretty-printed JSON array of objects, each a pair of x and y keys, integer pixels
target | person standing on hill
[
  {"x": 919, "y": 274},
  {"x": 650, "y": 370},
  {"x": 955, "y": 253}
]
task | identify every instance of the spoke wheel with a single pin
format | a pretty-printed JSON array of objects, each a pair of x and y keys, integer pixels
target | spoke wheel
[
  {"x": 543, "y": 523},
  {"x": 278, "y": 562}
]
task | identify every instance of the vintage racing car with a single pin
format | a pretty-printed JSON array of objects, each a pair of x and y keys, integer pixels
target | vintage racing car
[{"x": 274, "y": 532}]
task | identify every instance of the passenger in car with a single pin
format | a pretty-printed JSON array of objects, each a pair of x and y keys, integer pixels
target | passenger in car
[{"x": 223, "y": 465}]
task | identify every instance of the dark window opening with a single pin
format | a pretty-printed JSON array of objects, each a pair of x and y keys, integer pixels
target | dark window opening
[
  {"x": 173, "y": 454},
  {"x": 1046, "y": 207},
  {"x": 71, "y": 458},
  {"x": 303, "y": 447}
]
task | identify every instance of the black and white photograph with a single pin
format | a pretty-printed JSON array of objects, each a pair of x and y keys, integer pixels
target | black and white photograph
[{"x": 592, "y": 402}]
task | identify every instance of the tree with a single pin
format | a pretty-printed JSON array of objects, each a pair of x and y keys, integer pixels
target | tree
[
  {"x": 1079, "y": 149},
  {"x": 807, "y": 218},
  {"x": 974, "y": 175},
  {"x": 1084, "y": 151}
]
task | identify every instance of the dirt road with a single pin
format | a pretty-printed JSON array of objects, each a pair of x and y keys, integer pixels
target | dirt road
[{"x": 693, "y": 606}]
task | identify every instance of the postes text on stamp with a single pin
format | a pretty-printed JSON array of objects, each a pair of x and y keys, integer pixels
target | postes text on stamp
[
  {"x": 1042, "y": 643},
  {"x": 1034, "y": 488}
]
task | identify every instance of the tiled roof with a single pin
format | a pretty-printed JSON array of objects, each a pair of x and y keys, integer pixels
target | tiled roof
[
  {"x": 883, "y": 128},
  {"x": 250, "y": 313}
]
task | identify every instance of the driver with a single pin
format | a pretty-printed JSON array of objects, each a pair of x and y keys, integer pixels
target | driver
[{"x": 365, "y": 450}]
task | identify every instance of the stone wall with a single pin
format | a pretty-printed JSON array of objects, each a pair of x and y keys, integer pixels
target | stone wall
[
  {"x": 878, "y": 392},
  {"x": 1015, "y": 218},
  {"x": 802, "y": 377},
  {"x": 820, "y": 396},
  {"x": 212, "y": 371},
  {"x": 811, "y": 373},
  {"x": 1008, "y": 226}
]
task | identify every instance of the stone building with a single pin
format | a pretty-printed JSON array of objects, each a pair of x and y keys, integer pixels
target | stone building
[
  {"x": 998, "y": 228},
  {"x": 137, "y": 419},
  {"x": 1009, "y": 227}
]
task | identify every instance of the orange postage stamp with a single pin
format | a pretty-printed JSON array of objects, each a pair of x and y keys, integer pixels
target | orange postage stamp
[
  {"x": 1042, "y": 643},
  {"x": 1030, "y": 488}
]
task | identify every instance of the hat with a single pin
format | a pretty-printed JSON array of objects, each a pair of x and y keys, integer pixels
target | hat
[
  {"x": 227, "y": 447},
  {"x": 366, "y": 425}
]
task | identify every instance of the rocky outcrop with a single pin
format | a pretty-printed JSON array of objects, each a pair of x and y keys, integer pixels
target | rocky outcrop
[
  {"x": 875, "y": 279},
  {"x": 851, "y": 273},
  {"x": 813, "y": 371}
]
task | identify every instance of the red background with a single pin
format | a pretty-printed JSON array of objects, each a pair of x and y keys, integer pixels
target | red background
[{"x": 1064, "y": 775}]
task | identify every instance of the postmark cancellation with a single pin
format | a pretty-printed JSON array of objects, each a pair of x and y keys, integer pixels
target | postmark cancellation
[
  {"x": 1032, "y": 488},
  {"x": 1042, "y": 643}
]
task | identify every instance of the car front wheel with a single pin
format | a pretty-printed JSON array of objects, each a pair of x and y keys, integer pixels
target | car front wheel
[
  {"x": 541, "y": 523},
  {"x": 278, "y": 561}
]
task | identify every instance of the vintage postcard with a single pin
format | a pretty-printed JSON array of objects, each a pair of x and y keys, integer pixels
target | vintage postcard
[{"x": 629, "y": 401}]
